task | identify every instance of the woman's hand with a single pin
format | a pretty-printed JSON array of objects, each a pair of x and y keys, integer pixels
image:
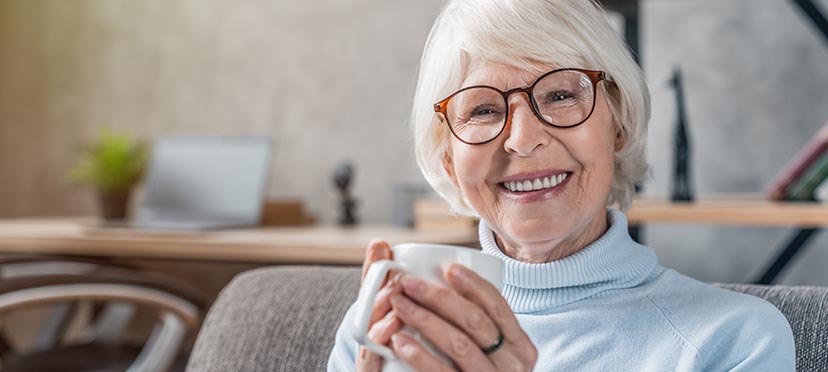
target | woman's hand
[
  {"x": 460, "y": 321},
  {"x": 384, "y": 321}
]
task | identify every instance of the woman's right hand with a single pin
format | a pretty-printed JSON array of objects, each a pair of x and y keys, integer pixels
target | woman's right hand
[{"x": 383, "y": 322}]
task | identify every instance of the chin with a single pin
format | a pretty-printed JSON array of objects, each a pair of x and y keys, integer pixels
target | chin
[{"x": 540, "y": 230}]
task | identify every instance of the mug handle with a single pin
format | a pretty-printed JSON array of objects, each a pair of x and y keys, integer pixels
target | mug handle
[{"x": 365, "y": 304}]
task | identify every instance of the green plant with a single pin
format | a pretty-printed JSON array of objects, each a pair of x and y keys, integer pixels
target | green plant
[{"x": 113, "y": 163}]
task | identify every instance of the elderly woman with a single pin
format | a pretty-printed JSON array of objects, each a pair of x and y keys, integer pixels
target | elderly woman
[{"x": 532, "y": 115}]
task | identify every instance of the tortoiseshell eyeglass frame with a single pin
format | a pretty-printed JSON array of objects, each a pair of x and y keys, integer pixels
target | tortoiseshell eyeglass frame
[{"x": 440, "y": 108}]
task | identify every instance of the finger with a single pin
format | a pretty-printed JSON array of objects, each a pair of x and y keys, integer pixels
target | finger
[
  {"x": 382, "y": 330},
  {"x": 377, "y": 250},
  {"x": 443, "y": 335},
  {"x": 453, "y": 307},
  {"x": 368, "y": 361},
  {"x": 380, "y": 333},
  {"x": 480, "y": 291},
  {"x": 382, "y": 303},
  {"x": 411, "y": 352}
]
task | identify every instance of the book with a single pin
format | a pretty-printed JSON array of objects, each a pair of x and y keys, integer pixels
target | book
[
  {"x": 818, "y": 144},
  {"x": 803, "y": 188}
]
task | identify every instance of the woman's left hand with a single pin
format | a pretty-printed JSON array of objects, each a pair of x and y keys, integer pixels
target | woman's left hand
[{"x": 460, "y": 321}]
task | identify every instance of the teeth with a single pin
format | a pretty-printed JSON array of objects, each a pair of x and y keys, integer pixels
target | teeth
[{"x": 536, "y": 184}]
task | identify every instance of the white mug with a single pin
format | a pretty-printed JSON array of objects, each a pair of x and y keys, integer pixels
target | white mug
[{"x": 425, "y": 261}]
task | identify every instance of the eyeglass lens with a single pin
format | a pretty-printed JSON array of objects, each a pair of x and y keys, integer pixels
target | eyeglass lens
[{"x": 564, "y": 98}]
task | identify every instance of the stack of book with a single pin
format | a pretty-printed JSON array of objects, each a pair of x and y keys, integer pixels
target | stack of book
[{"x": 805, "y": 177}]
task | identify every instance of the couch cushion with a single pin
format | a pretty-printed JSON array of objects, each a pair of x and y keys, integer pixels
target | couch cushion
[
  {"x": 285, "y": 318},
  {"x": 275, "y": 319}
]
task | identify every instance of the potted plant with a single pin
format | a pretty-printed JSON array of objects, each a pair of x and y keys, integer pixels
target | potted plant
[{"x": 113, "y": 164}]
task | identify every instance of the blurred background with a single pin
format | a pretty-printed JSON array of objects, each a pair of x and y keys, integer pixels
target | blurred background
[{"x": 331, "y": 81}]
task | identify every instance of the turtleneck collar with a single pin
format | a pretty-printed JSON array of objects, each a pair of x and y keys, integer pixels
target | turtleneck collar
[{"x": 614, "y": 261}]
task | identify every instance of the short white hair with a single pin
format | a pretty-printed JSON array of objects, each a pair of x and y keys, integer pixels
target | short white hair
[{"x": 532, "y": 35}]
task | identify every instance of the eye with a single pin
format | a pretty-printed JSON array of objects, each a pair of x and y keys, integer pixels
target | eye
[
  {"x": 559, "y": 96},
  {"x": 484, "y": 110}
]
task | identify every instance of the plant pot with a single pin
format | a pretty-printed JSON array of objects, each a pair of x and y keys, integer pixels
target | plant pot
[{"x": 113, "y": 205}]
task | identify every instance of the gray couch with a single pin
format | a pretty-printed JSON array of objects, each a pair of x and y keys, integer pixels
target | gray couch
[{"x": 284, "y": 319}]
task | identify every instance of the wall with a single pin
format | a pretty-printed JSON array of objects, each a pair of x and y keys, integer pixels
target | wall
[
  {"x": 756, "y": 87},
  {"x": 327, "y": 80},
  {"x": 332, "y": 80}
]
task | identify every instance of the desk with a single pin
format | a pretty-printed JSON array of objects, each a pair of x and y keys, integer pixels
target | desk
[
  {"x": 746, "y": 210},
  {"x": 271, "y": 245}
]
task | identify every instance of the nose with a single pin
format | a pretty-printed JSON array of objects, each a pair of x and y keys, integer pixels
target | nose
[{"x": 525, "y": 132}]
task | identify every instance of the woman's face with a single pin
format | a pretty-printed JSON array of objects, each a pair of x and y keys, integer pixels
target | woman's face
[{"x": 551, "y": 223}]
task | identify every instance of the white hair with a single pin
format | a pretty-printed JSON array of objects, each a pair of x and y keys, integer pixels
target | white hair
[{"x": 531, "y": 35}]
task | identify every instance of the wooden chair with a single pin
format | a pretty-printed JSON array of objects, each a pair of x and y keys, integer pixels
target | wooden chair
[{"x": 117, "y": 292}]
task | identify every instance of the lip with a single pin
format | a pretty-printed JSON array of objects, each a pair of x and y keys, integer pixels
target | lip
[{"x": 534, "y": 196}]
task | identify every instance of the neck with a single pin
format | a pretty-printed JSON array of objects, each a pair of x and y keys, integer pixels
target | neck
[{"x": 556, "y": 248}]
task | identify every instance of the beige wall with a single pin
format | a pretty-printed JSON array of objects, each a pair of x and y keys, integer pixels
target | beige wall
[
  {"x": 755, "y": 78},
  {"x": 327, "y": 80}
]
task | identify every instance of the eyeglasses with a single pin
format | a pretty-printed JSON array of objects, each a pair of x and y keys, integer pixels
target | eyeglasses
[{"x": 562, "y": 98}]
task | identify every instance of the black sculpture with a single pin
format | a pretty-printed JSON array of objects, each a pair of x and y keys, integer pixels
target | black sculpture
[
  {"x": 681, "y": 166},
  {"x": 343, "y": 176}
]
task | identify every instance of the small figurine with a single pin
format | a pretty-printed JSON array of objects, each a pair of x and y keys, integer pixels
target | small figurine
[
  {"x": 343, "y": 175},
  {"x": 681, "y": 166}
]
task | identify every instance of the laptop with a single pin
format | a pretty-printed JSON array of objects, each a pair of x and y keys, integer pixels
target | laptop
[{"x": 201, "y": 183}]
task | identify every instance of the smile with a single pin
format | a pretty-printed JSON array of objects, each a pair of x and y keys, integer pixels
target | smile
[{"x": 535, "y": 184}]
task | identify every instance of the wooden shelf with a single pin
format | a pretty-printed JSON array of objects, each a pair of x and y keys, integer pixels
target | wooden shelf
[{"x": 739, "y": 210}]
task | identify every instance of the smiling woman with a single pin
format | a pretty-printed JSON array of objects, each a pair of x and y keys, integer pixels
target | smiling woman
[
  {"x": 532, "y": 116},
  {"x": 581, "y": 156}
]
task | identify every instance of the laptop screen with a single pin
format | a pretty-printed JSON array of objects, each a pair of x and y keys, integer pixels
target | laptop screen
[{"x": 221, "y": 178}]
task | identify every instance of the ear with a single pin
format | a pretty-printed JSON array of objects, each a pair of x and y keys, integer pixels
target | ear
[{"x": 448, "y": 166}]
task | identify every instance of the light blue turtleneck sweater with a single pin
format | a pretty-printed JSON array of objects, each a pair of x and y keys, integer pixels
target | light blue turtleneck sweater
[{"x": 610, "y": 307}]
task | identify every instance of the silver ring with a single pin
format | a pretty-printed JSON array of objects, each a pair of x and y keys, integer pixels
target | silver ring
[{"x": 494, "y": 346}]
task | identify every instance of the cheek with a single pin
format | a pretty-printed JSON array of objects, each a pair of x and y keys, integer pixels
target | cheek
[
  {"x": 471, "y": 164},
  {"x": 596, "y": 154}
]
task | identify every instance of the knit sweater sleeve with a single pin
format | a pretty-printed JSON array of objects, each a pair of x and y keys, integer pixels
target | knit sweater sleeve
[
  {"x": 761, "y": 341},
  {"x": 343, "y": 355},
  {"x": 730, "y": 331}
]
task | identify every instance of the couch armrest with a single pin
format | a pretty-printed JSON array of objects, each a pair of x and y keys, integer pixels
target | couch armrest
[{"x": 275, "y": 319}]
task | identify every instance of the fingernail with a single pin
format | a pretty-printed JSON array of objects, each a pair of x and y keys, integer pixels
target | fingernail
[
  {"x": 400, "y": 342},
  {"x": 363, "y": 352},
  {"x": 378, "y": 250},
  {"x": 388, "y": 318},
  {"x": 391, "y": 319},
  {"x": 458, "y": 272},
  {"x": 396, "y": 277},
  {"x": 402, "y": 304},
  {"x": 378, "y": 254},
  {"x": 412, "y": 285}
]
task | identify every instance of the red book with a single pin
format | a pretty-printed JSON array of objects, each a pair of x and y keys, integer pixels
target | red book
[{"x": 807, "y": 155}]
